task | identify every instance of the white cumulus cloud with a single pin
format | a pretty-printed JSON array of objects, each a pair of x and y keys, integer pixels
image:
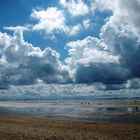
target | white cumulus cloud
[
  {"x": 22, "y": 63},
  {"x": 75, "y": 7},
  {"x": 52, "y": 20}
]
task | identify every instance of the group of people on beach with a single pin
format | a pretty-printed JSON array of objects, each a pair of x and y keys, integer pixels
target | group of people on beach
[{"x": 85, "y": 103}]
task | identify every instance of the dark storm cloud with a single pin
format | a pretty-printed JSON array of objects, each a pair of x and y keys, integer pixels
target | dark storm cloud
[
  {"x": 122, "y": 35},
  {"x": 99, "y": 72}
]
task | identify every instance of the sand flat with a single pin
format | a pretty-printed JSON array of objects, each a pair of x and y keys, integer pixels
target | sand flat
[{"x": 28, "y": 128}]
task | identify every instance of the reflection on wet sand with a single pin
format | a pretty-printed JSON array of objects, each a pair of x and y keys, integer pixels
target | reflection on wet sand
[{"x": 86, "y": 110}]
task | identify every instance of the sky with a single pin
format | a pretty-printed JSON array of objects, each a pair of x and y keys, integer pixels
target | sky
[{"x": 70, "y": 42}]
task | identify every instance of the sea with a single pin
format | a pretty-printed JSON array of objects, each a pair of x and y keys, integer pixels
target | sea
[{"x": 77, "y": 104}]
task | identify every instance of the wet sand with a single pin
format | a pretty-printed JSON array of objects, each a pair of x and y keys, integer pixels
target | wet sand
[
  {"x": 119, "y": 111},
  {"x": 28, "y": 128}
]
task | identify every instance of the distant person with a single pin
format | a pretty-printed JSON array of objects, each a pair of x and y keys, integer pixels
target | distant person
[{"x": 136, "y": 108}]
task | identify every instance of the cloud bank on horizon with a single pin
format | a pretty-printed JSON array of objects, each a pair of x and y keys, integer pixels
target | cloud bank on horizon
[{"x": 111, "y": 57}]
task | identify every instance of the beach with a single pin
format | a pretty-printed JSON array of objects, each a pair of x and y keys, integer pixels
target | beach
[
  {"x": 29, "y": 128},
  {"x": 70, "y": 120}
]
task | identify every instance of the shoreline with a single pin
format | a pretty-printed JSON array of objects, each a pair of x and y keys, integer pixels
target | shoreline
[{"x": 30, "y": 128}]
